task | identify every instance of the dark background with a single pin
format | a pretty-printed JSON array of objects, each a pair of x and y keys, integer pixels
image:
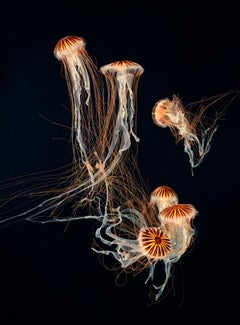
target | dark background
[{"x": 190, "y": 50}]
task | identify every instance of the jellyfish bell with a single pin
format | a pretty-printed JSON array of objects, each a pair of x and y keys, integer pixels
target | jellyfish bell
[
  {"x": 178, "y": 213},
  {"x": 68, "y": 45},
  {"x": 122, "y": 67},
  {"x": 163, "y": 197},
  {"x": 154, "y": 243},
  {"x": 159, "y": 112},
  {"x": 168, "y": 113}
]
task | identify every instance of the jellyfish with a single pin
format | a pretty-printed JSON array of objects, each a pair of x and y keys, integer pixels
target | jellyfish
[
  {"x": 176, "y": 220},
  {"x": 196, "y": 130},
  {"x": 102, "y": 127},
  {"x": 122, "y": 78},
  {"x": 138, "y": 228},
  {"x": 139, "y": 238},
  {"x": 100, "y": 132},
  {"x": 84, "y": 85}
]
